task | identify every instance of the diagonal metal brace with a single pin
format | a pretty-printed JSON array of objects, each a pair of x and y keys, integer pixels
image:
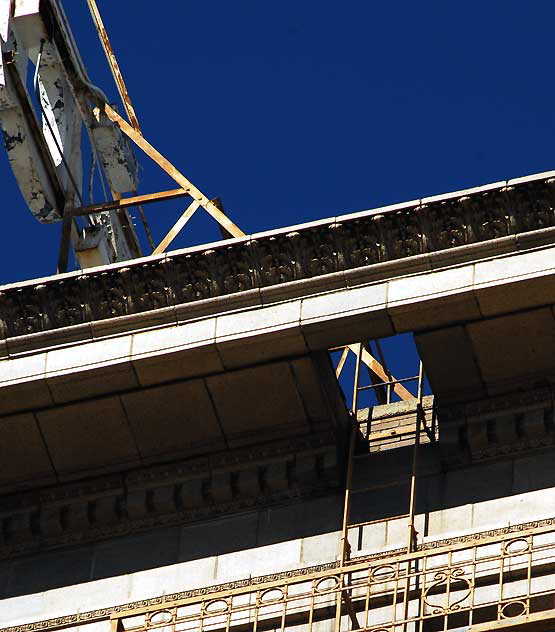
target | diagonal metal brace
[{"x": 176, "y": 175}]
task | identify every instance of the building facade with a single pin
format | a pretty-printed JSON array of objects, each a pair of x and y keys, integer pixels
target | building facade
[{"x": 178, "y": 455}]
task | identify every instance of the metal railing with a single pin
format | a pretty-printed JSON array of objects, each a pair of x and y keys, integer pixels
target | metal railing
[{"x": 502, "y": 579}]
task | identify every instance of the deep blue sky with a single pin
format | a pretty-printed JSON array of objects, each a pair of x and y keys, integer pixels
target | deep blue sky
[{"x": 298, "y": 110}]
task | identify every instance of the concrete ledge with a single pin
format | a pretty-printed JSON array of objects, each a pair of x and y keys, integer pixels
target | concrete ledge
[
  {"x": 358, "y": 249},
  {"x": 463, "y": 294}
]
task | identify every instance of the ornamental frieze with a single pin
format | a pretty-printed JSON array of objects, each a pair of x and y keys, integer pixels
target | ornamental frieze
[
  {"x": 271, "y": 259},
  {"x": 167, "y": 495}
]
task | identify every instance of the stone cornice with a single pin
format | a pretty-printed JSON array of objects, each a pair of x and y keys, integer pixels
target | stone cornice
[
  {"x": 491, "y": 428},
  {"x": 165, "y": 495},
  {"x": 498, "y": 426},
  {"x": 103, "y": 614},
  {"x": 344, "y": 244}
]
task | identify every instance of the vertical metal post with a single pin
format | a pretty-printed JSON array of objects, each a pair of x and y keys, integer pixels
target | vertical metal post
[
  {"x": 358, "y": 352},
  {"x": 412, "y": 501},
  {"x": 127, "y": 104},
  {"x": 386, "y": 369},
  {"x": 65, "y": 243},
  {"x": 345, "y": 546}
]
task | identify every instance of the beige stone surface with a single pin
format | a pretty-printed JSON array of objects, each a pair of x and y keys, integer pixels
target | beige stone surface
[
  {"x": 252, "y": 321},
  {"x": 344, "y": 301},
  {"x": 88, "y": 436},
  {"x": 536, "y": 262},
  {"x": 257, "y": 334},
  {"x": 429, "y": 284},
  {"x": 180, "y": 363},
  {"x": 88, "y": 355},
  {"x": 310, "y": 388},
  {"x": 517, "y": 294},
  {"x": 173, "y": 419},
  {"x": 450, "y": 363},
  {"x": 436, "y": 311},
  {"x": 23, "y": 396},
  {"x": 23, "y": 454},
  {"x": 172, "y": 353},
  {"x": 346, "y": 316},
  {"x": 512, "y": 346},
  {"x": 171, "y": 579},
  {"x": 260, "y": 346},
  {"x": 92, "y": 382},
  {"x": 177, "y": 337},
  {"x": 22, "y": 368},
  {"x": 252, "y": 400}
]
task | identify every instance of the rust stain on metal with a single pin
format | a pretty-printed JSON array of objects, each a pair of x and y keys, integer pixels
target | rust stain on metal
[{"x": 114, "y": 66}]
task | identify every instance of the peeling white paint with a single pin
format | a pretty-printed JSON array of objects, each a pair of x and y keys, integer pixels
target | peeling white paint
[
  {"x": 5, "y": 18},
  {"x": 116, "y": 155},
  {"x": 42, "y": 168}
]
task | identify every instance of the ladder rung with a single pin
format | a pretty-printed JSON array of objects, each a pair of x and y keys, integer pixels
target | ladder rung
[
  {"x": 380, "y": 486},
  {"x": 388, "y": 434},
  {"x": 370, "y": 522},
  {"x": 390, "y": 383}
]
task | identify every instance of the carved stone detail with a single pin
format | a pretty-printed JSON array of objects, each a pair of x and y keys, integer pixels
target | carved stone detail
[
  {"x": 449, "y": 224},
  {"x": 278, "y": 259},
  {"x": 498, "y": 426},
  {"x": 273, "y": 259},
  {"x": 165, "y": 495},
  {"x": 22, "y": 311},
  {"x": 148, "y": 288},
  {"x": 108, "y": 294},
  {"x": 361, "y": 243}
]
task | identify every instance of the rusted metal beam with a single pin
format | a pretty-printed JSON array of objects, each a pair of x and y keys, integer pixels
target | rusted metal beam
[
  {"x": 224, "y": 233},
  {"x": 176, "y": 228},
  {"x": 145, "y": 225},
  {"x": 65, "y": 241},
  {"x": 341, "y": 362},
  {"x": 113, "y": 63},
  {"x": 176, "y": 175},
  {"x": 127, "y": 202},
  {"x": 378, "y": 369},
  {"x": 381, "y": 391}
]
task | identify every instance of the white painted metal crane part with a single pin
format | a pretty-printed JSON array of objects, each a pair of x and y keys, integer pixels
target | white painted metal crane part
[
  {"x": 28, "y": 161},
  {"x": 44, "y": 147},
  {"x": 116, "y": 155}
]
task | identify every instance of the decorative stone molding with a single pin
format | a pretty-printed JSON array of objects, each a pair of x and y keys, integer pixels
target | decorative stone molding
[
  {"x": 338, "y": 245},
  {"x": 498, "y": 426},
  {"x": 103, "y": 614},
  {"x": 484, "y": 429},
  {"x": 167, "y": 495},
  {"x": 393, "y": 426}
]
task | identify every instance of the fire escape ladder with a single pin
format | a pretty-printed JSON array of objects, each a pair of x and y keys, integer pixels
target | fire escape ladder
[{"x": 360, "y": 435}]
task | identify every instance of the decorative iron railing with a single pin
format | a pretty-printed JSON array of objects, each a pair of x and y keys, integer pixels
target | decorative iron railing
[{"x": 507, "y": 578}]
